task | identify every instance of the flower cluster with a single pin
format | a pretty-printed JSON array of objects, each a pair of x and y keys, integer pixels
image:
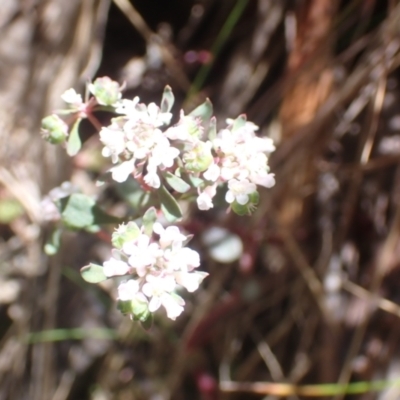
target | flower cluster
[
  {"x": 140, "y": 143},
  {"x": 154, "y": 269},
  {"x": 190, "y": 159},
  {"x": 241, "y": 160},
  {"x": 136, "y": 144}
]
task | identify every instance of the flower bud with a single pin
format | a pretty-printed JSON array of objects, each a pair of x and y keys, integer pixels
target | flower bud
[
  {"x": 106, "y": 91},
  {"x": 199, "y": 158},
  {"x": 54, "y": 129},
  {"x": 249, "y": 207},
  {"x": 125, "y": 233},
  {"x": 138, "y": 308}
]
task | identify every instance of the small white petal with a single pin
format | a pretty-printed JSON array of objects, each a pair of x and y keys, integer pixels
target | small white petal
[
  {"x": 114, "y": 267},
  {"x": 121, "y": 172}
]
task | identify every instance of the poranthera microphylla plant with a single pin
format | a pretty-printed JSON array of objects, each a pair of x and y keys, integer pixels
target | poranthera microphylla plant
[{"x": 188, "y": 160}]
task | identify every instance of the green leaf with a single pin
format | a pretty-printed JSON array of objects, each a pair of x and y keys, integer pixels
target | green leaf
[
  {"x": 93, "y": 273},
  {"x": 169, "y": 206},
  {"x": 168, "y": 99},
  {"x": 74, "y": 143},
  {"x": 203, "y": 111},
  {"x": 148, "y": 220},
  {"x": 194, "y": 180},
  {"x": 125, "y": 233},
  {"x": 239, "y": 122},
  {"x": 53, "y": 245},
  {"x": 176, "y": 183},
  {"x": 79, "y": 211},
  {"x": 212, "y": 129}
]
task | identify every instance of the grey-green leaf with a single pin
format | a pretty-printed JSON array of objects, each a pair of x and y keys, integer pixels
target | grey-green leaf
[
  {"x": 74, "y": 143},
  {"x": 177, "y": 183},
  {"x": 168, "y": 99},
  {"x": 203, "y": 111},
  {"x": 149, "y": 217},
  {"x": 169, "y": 205},
  {"x": 79, "y": 211},
  {"x": 239, "y": 122},
  {"x": 93, "y": 273},
  {"x": 212, "y": 129}
]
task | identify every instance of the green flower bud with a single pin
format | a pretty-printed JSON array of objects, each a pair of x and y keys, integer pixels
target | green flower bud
[
  {"x": 199, "y": 158},
  {"x": 138, "y": 308},
  {"x": 106, "y": 91},
  {"x": 247, "y": 208},
  {"x": 54, "y": 130},
  {"x": 125, "y": 233}
]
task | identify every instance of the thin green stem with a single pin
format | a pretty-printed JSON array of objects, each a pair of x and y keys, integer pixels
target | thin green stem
[{"x": 221, "y": 39}]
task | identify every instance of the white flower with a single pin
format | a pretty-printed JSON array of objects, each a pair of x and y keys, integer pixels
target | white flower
[
  {"x": 151, "y": 178},
  {"x": 230, "y": 168},
  {"x": 190, "y": 280},
  {"x": 188, "y": 129},
  {"x": 158, "y": 289},
  {"x": 263, "y": 178},
  {"x": 239, "y": 191},
  {"x": 73, "y": 98},
  {"x": 169, "y": 236},
  {"x": 128, "y": 107},
  {"x": 213, "y": 172},
  {"x": 225, "y": 141},
  {"x": 114, "y": 267},
  {"x": 156, "y": 117},
  {"x": 181, "y": 259},
  {"x": 128, "y": 290},
  {"x": 121, "y": 172},
  {"x": 143, "y": 254},
  {"x": 264, "y": 145},
  {"x": 114, "y": 141},
  {"x": 164, "y": 156},
  {"x": 204, "y": 200},
  {"x": 173, "y": 305}
]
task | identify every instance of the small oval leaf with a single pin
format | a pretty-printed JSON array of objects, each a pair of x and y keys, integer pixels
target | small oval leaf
[
  {"x": 212, "y": 129},
  {"x": 148, "y": 220},
  {"x": 93, "y": 273},
  {"x": 168, "y": 99},
  {"x": 169, "y": 205},
  {"x": 203, "y": 111},
  {"x": 74, "y": 143},
  {"x": 79, "y": 211},
  {"x": 176, "y": 183}
]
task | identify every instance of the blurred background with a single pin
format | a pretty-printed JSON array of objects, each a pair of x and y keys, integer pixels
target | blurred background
[{"x": 304, "y": 292}]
